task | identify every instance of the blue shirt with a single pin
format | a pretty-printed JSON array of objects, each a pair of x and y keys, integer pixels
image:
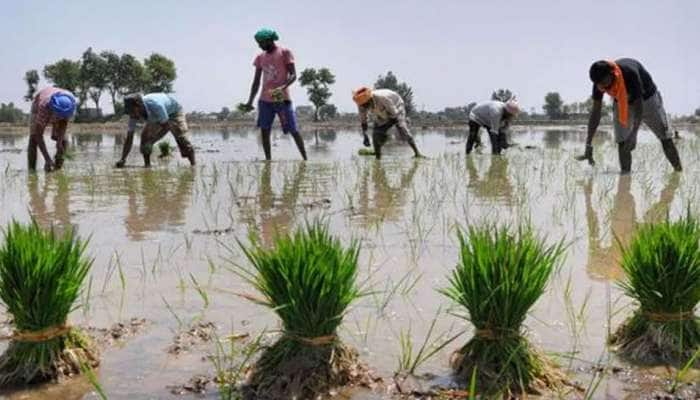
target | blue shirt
[{"x": 159, "y": 108}]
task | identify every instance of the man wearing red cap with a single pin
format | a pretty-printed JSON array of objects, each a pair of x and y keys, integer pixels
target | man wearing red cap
[
  {"x": 51, "y": 106},
  {"x": 388, "y": 110}
]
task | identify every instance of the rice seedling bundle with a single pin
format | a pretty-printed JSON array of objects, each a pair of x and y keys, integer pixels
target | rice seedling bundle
[
  {"x": 165, "y": 149},
  {"x": 662, "y": 274},
  {"x": 500, "y": 276},
  {"x": 308, "y": 279},
  {"x": 41, "y": 274}
]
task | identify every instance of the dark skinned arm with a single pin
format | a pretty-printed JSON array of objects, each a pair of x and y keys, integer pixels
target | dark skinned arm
[
  {"x": 37, "y": 136},
  {"x": 291, "y": 75},
  {"x": 255, "y": 87},
  {"x": 593, "y": 122},
  {"x": 126, "y": 149}
]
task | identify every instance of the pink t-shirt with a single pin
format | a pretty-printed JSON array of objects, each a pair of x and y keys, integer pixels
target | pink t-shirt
[{"x": 274, "y": 70}]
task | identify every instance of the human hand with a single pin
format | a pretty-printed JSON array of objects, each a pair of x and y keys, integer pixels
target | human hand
[
  {"x": 587, "y": 155},
  {"x": 120, "y": 164},
  {"x": 245, "y": 107}
]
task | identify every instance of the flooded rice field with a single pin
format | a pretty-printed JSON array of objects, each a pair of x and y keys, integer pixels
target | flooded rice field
[{"x": 164, "y": 243}]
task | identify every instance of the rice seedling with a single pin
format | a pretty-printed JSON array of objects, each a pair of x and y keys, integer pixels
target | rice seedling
[
  {"x": 231, "y": 360},
  {"x": 165, "y": 149},
  {"x": 309, "y": 279},
  {"x": 41, "y": 275},
  {"x": 500, "y": 275},
  {"x": 662, "y": 274}
]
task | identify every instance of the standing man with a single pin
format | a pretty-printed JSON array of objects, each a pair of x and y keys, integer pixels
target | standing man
[
  {"x": 53, "y": 106},
  {"x": 162, "y": 114},
  {"x": 276, "y": 67},
  {"x": 636, "y": 99},
  {"x": 387, "y": 109},
  {"x": 496, "y": 116}
]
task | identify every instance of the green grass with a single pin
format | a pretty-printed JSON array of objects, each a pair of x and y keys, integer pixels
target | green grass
[
  {"x": 41, "y": 275},
  {"x": 500, "y": 276},
  {"x": 309, "y": 279},
  {"x": 662, "y": 274}
]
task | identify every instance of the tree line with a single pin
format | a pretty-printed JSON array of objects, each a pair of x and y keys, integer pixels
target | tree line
[{"x": 105, "y": 72}]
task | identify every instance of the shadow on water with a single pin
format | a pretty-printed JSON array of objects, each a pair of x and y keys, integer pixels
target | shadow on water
[
  {"x": 55, "y": 187},
  {"x": 495, "y": 186},
  {"x": 378, "y": 198},
  {"x": 603, "y": 260}
]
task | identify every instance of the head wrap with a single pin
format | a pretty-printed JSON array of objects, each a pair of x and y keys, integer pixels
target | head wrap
[
  {"x": 62, "y": 104},
  {"x": 362, "y": 95},
  {"x": 512, "y": 107},
  {"x": 266, "y": 34}
]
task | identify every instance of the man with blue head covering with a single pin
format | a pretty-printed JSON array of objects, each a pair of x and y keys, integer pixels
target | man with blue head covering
[{"x": 54, "y": 106}]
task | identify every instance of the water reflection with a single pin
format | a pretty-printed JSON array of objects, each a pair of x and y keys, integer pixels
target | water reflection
[
  {"x": 603, "y": 261},
  {"x": 495, "y": 185},
  {"x": 276, "y": 213},
  {"x": 156, "y": 199},
  {"x": 378, "y": 198},
  {"x": 84, "y": 140},
  {"x": 56, "y": 186},
  {"x": 9, "y": 140}
]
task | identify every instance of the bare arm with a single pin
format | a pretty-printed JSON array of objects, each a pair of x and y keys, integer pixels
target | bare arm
[
  {"x": 127, "y": 148},
  {"x": 255, "y": 87},
  {"x": 594, "y": 121},
  {"x": 291, "y": 75}
]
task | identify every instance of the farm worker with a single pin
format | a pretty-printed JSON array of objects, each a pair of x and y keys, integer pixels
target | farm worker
[
  {"x": 496, "y": 116},
  {"x": 162, "y": 114},
  {"x": 275, "y": 65},
  {"x": 636, "y": 100},
  {"x": 387, "y": 110},
  {"x": 53, "y": 106}
]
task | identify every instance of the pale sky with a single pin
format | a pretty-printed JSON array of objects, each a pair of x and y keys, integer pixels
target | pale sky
[{"x": 451, "y": 52}]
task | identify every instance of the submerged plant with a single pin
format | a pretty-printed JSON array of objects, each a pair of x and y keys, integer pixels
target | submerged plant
[
  {"x": 41, "y": 275},
  {"x": 662, "y": 273},
  {"x": 309, "y": 279},
  {"x": 501, "y": 274}
]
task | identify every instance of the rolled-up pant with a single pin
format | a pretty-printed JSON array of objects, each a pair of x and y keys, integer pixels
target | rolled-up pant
[
  {"x": 653, "y": 116},
  {"x": 177, "y": 125}
]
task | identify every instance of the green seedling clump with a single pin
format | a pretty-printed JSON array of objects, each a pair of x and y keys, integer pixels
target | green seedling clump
[
  {"x": 309, "y": 279},
  {"x": 500, "y": 276},
  {"x": 41, "y": 275},
  {"x": 662, "y": 274},
  {"x": 165, "y": 149}
]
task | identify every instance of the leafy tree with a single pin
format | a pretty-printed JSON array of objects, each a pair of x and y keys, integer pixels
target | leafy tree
[
  {"x": 553, "y": 105},
  {"x": 160, "y": 72},
  {"x": 502, "y": 95},
  {"x": 223, "y": 114},
  {"x": 94, "y": 74},
  {"x": 328, "y": 111},
  {"x": 132, "y": 75},
  {"x": 65, "y": 74},
  {"x": 10, "y": 113},
  {"x": 112, "y": 75},
  {"x": 317, "y": 87},
  {"x": 32, "y": 79},
  {"x": 391, "y": 82}
]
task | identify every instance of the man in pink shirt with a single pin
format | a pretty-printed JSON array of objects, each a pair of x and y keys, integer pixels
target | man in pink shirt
[
  {"x": 54, "y": 106},
  {"x": 275, "y": 65}
]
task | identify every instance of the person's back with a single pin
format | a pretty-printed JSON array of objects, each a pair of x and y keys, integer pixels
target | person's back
[
  {"x": 157, "y": 103},
  {"x": 488, "y": 114}
]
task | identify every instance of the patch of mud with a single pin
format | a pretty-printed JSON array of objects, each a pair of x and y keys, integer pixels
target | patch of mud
[
  {"x": 216, "y": 232},
  {"x": 201, "y": 332},
  {"x": 118, "y": 332},
  {"x": 195, "y": 385}
]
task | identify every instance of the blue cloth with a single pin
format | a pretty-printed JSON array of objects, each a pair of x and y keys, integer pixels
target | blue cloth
[
  {"x": 159, "y": 108},
  {"x": 266, "y": 116},
  {"x": 62, "y": 104}
]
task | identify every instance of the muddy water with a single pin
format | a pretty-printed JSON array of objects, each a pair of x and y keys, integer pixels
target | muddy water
[{"x": 157, "y": 235}]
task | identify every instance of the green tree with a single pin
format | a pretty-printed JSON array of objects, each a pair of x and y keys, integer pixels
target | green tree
[
  {"x": 64, "y": 73},
  {"x": 113, "y": 76},
  {"x": 94, "y": 75},
  {"x": 553, "y": 105},
  {"x": 132, "y": 75},
  {"x": 317, "y": 87},
  {"x": 391, "y": 82},
  {"x": 328, "y": 111},
  {"x": 502, "y": 95},
  {"x": 31, "y": 77},
  {"x": 10, "y": 113},
  {"x": 160, "y": 73}
]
